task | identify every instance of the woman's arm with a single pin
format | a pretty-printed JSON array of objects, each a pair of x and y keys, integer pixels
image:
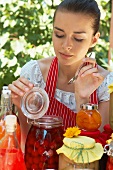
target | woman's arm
[
  {"x": 18, "y": 88},
  {"x": 22, "y": 85},
  {"x": 85, "y": 85},
  {"x": 88, "y": 80}
]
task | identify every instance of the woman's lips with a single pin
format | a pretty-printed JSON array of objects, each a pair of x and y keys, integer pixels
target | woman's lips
[{"x": 65, "y": 55}]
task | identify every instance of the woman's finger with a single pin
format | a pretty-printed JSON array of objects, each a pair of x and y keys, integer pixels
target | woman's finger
[
  {"x": 15, "y": 90},
  {"x": 24, "y": 81},
  {"x": 98, "y": 75},
  {"x": 89, "y": 69},
  {"x": 90, "y": 61}
]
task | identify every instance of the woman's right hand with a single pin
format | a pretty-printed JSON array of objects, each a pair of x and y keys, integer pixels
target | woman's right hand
[{"x": 18, "y": 88}]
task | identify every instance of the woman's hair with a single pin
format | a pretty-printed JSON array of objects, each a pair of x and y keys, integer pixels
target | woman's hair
[{"x": 87, "y": 7}]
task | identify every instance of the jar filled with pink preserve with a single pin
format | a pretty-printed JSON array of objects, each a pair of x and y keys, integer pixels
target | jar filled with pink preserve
[{"x": 45, "y": 135}]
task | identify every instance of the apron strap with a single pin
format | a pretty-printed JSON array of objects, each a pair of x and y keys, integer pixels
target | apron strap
[{"x": 52, "y": 78}]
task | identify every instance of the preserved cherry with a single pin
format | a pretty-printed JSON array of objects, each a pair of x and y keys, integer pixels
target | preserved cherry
[
  {"x": 44, "y": 138},
  {"x": 88, "y": 118},
  {"x": 109, "y": 165}
]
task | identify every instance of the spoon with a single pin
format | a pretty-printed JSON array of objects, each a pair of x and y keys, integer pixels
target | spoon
[{"x": 76, "y": 76}]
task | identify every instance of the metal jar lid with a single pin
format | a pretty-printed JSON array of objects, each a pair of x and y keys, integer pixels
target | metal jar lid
[{"x": 89, "y": 106}]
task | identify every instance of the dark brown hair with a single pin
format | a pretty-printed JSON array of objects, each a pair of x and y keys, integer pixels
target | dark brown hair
[{"x": 87, "y": 7}]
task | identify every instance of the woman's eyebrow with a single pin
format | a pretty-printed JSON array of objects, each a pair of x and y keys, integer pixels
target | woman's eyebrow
[
  {"x": 79, "y": 32},
  {"x": 59, "y": 29},
  {"x": 75, "y": 32}
]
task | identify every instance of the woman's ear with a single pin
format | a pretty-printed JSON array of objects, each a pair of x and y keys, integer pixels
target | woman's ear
[{"x": 95, "y": 39}]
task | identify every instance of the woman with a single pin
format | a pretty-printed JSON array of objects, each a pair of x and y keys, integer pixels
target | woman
[{"x": 75, "y": 32}]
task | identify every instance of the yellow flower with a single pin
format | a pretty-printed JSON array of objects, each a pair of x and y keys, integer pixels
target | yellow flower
[
  {"x": 111, "y": 136},
  {"x": 110, "y": 88},
  {"x": 109, "y": 140},
  {"x": 72, "y": 131}
]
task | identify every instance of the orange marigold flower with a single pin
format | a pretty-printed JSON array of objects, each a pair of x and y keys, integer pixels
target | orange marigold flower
[{"x": 72, "y": 132}]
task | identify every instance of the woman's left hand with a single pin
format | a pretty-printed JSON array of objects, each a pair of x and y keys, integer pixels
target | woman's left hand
[{"x": 89, "y": 78}]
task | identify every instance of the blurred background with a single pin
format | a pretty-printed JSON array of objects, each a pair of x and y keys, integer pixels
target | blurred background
[{"x": 25, "y": 34}]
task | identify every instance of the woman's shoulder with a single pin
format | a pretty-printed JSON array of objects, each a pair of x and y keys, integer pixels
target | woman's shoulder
[
  {"x": 109, "y": 78},
  {"x": 36, "y": 67},
  {"x": 103, "y": 94},
  {"x": 43, "y": 63}
]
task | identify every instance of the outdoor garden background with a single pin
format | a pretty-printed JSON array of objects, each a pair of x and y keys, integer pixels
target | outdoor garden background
[{"x": 25, "y": 34}]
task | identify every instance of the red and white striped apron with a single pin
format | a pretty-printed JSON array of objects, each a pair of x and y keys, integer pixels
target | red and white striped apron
[{"x": 55, "y": 107}]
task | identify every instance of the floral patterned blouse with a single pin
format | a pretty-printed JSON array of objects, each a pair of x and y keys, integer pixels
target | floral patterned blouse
[{"x": 31, "y": 71}]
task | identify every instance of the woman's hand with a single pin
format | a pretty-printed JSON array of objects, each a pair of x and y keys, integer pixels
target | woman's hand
[
  {"x": 18, "y": 88},
  {"x": 89, "y": 78}
]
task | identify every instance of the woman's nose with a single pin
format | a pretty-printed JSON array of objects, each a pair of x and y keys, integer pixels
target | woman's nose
[{"x": 67, "y": 44}]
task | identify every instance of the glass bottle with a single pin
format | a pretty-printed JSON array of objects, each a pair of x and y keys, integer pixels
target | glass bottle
[
  {"x": 11, "y": 156},
  {"x": 44, "y": 138},
  {"x": 6, "y": 109},
  {"x": 88, "y": 118}
]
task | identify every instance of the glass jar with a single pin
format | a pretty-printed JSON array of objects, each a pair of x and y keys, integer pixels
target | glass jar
[
  {"x": 44, "y": 138},
  {"x": 66, "y": 164},
  {"x": 109, "y": 150},
  {"x": 88, "y": 118}
]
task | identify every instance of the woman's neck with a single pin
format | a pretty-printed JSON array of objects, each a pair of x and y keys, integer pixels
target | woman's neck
[{"x": 67, "y": 72}]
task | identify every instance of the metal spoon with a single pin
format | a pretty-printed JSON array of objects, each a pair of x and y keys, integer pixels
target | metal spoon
[{"x": 76, "y": 76}]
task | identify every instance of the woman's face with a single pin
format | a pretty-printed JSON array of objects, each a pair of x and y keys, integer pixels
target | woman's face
[{"x": 72, "y": 36}]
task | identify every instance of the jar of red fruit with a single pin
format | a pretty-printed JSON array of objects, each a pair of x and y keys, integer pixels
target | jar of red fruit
[
  {"x": 44, "y": 138},
  {"x": 46, "y": 133},
  {"x": 88, "y": 118}
]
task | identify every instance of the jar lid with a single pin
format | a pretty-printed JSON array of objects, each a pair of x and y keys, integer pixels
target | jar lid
[
  {"x": 89, "y": 106},
  {"x": 81, "y": 149},
  {"x": 49, "y": 121},
  {"x": 34, "y": 103}
]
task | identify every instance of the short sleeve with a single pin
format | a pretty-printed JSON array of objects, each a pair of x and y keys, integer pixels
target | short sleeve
[
  {"x": 102, "y": 91},
  {"x": 32, "y": 72}
]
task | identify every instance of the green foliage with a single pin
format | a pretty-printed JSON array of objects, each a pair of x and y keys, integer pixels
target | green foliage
[
  {"x": 110, "y": 65},
  {"x": 101, "y": 49},
  {"x": 25, "y": 34}
]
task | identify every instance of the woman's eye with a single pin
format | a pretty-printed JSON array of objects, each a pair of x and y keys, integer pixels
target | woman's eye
[
  {"x": 79, "y": 40},
  {"x": 59, "y": 36}
]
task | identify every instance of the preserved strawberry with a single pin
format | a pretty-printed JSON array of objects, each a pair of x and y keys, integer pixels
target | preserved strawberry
[{"x": 44, "y": 137}]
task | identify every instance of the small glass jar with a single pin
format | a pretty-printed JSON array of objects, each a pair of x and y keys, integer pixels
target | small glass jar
[
  {"x": 109, "y": 150},
  {"x": 66, "y": 164},
  {"x": 44, "y": 138},
  {"x": 88, "y": 118}
]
